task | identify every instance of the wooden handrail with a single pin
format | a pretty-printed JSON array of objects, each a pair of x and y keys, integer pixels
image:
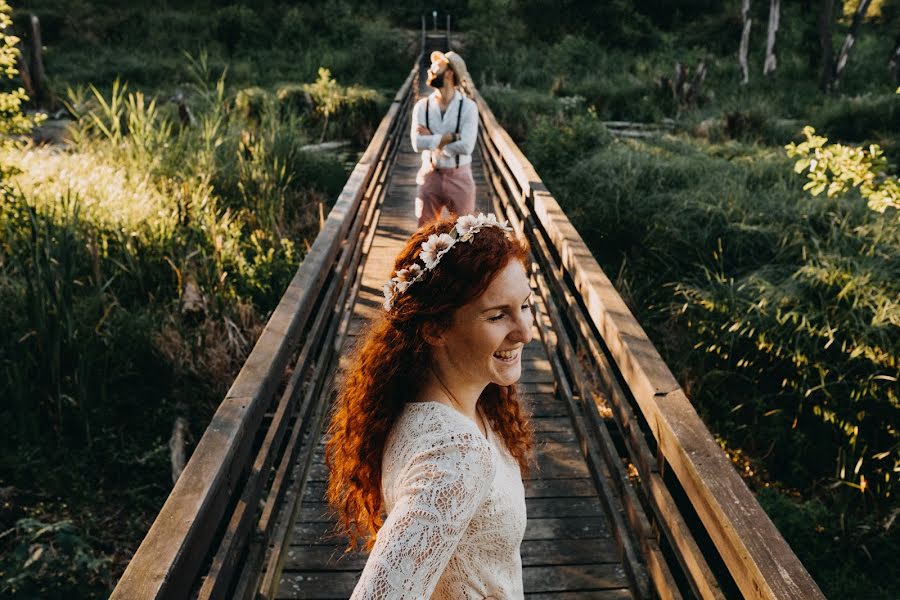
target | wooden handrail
[
  {"x": 214, "y": 489},
  {"x": 760, "y": 562}
]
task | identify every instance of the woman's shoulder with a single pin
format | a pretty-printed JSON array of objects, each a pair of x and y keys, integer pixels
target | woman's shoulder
[{"x": 427, "y": 425}]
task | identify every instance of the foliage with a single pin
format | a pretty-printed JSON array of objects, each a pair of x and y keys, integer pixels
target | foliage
[
  {"x": 860, "y": 117},
  {"x": 354, "y": 104},
  {"x": 264, "y": 44},
  {"x": 836, "y": 168},
  {"x": 778, "y": 312},
  {"x": 136, "y": 269},
  {"x": 12, "y": 121},
  {"x": 52, "y": 559},
  {"x": 238, "y": 26},
  {"x": 830, "y": 547},
  {"x": 555, "y": 140},
  {"x": 790, "y": 301}
]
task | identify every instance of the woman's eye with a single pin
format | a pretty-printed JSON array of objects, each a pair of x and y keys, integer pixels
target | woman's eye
[
  {"x": 496, "y": 318},
  {"x": 525, "y": 306}
]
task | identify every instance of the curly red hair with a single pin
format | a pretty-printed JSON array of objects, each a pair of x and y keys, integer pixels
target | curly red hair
[{"x": 386, "y": 373}]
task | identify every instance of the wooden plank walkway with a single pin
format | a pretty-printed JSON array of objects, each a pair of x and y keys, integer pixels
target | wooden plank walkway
[{"x": 568, "y": 551}]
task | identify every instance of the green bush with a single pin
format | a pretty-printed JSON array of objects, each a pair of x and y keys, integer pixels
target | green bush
[
  {"x": 555, "y": 142},
  {"x": 52, "y": 560},
  {"x": 252, "y": 104},
  {"x": 860, "y": 118},
  {"x": 837, "y": 552},
  {"x": 101, "y": 245},
  {"x": 294, "y": 99},
  {"x": 515, "y": 109},
  {"x": 783, "y": 306},
  {"x": 238, "y": 27},
  {"x": 351, "y": 111}
]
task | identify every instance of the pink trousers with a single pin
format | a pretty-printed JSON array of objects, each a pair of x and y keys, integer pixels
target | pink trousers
[{"x": 439, "y": 188}]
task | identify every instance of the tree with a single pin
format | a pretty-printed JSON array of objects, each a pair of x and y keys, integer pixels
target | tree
[
  {"x": 12, "y": 121},
  {"x": 745, "y": 41},
  {"x": 833, "y": 69},
  {"x": 826, "y": 20},
  {"x": 774, "y": 18},
  {"x": 858, "y": 17}
]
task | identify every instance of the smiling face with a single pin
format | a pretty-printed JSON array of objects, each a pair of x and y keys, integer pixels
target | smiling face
[{"x": 484, "y": 341}]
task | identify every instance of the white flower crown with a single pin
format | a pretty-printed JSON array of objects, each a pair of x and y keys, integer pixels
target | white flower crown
[{"x": 434, "y": 249}]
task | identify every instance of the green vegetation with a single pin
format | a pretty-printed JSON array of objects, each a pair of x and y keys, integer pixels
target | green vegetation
[
  {"x": 778, "y": 311},
  {"x": 140, "y": 259}
]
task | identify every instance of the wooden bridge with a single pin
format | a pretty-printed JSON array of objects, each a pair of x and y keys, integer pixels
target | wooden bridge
[{"x": 631, "y": 497}]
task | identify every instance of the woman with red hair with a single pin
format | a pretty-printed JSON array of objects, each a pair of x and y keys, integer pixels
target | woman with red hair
[{"x": 428, "y": 441}]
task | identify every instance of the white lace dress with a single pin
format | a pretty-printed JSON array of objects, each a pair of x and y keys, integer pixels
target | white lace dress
[{"x": 455, "y": 512}]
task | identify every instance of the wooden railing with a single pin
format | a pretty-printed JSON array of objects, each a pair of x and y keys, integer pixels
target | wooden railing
[
  {"x": 211, "y": 537},
  {"x": 690, "y": 502}
]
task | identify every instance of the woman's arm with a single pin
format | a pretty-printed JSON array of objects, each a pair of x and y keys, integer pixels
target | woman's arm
[{"x": 439, "y": 493}]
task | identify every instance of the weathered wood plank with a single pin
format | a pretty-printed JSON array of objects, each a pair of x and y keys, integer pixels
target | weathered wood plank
[
  {"x": 534, "y": 553},
  {"x": 340, "y": 584},
  {"x": 588, "y": 506}
]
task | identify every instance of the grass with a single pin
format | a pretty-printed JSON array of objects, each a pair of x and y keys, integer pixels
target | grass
[
  {"x": 777, "y": 311},
  {"x": 139, "y": 263}
]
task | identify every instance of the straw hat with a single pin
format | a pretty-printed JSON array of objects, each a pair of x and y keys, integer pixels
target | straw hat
[{"x": 456, "y": 63}]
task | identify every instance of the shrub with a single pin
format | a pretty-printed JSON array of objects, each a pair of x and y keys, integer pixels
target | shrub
[
  {"x": 837, "y": 551},
  {"x": 252, "y": 104},
  {"x": 860, "y": 118},
  {"x": 556, "y": 141},
  {"x": 782, "y": 306},
  {"x": 238, "y": 26},
  {"x": 48, "y": 559},
  {"x": 355, "y": 108},
  {"x": 294, "y": 99},
  {"x": 516, "y": 109}
]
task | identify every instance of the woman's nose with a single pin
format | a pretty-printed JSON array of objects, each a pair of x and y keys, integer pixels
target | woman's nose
[{"x": 522, "y": 332}]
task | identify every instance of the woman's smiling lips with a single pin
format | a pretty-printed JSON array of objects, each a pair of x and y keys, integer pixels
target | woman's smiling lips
[{"x": 507, "y": 356}]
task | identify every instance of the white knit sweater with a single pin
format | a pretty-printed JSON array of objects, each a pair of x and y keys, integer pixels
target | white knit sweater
[{"x": 456, "y": 512}]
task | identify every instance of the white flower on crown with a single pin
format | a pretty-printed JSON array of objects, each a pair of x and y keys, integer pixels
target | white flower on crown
[
  {"x": 465, "y": 224},
  {"x": 414, "y": 271},
  {"x": 434, "y": 248},
  {"x": 388, "y": 291}
]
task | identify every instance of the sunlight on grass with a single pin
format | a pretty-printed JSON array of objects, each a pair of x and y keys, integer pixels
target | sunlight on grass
[{"x": 108, "y": 193}]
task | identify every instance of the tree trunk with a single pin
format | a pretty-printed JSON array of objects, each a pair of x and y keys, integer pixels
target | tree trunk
[
  {"x": 894, "y": 65},
  {"x": 177, "y": 443},
  {"x": 745, "y": 42},
  {"x": 774, "y": 17},
  {"x": 858, "y": 17},
  {"x": 826, "y": 18},
  {"x": 25, "y": 71},
  {"x": 36, "y": 66}
]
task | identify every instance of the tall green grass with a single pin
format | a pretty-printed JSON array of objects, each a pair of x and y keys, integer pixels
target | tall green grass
[
  {"x": 137, "y": 266},
  {"x": 777, "y": 311}
]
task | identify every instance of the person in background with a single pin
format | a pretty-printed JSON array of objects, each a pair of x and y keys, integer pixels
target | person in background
[{"x": 444, "y": 127}]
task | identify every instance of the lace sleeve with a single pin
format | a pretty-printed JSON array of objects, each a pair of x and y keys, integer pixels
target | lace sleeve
[{"x": 439, "y": 492}]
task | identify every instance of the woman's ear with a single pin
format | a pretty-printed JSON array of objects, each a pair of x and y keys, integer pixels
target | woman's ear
[{"x": 432, "y": 334}]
